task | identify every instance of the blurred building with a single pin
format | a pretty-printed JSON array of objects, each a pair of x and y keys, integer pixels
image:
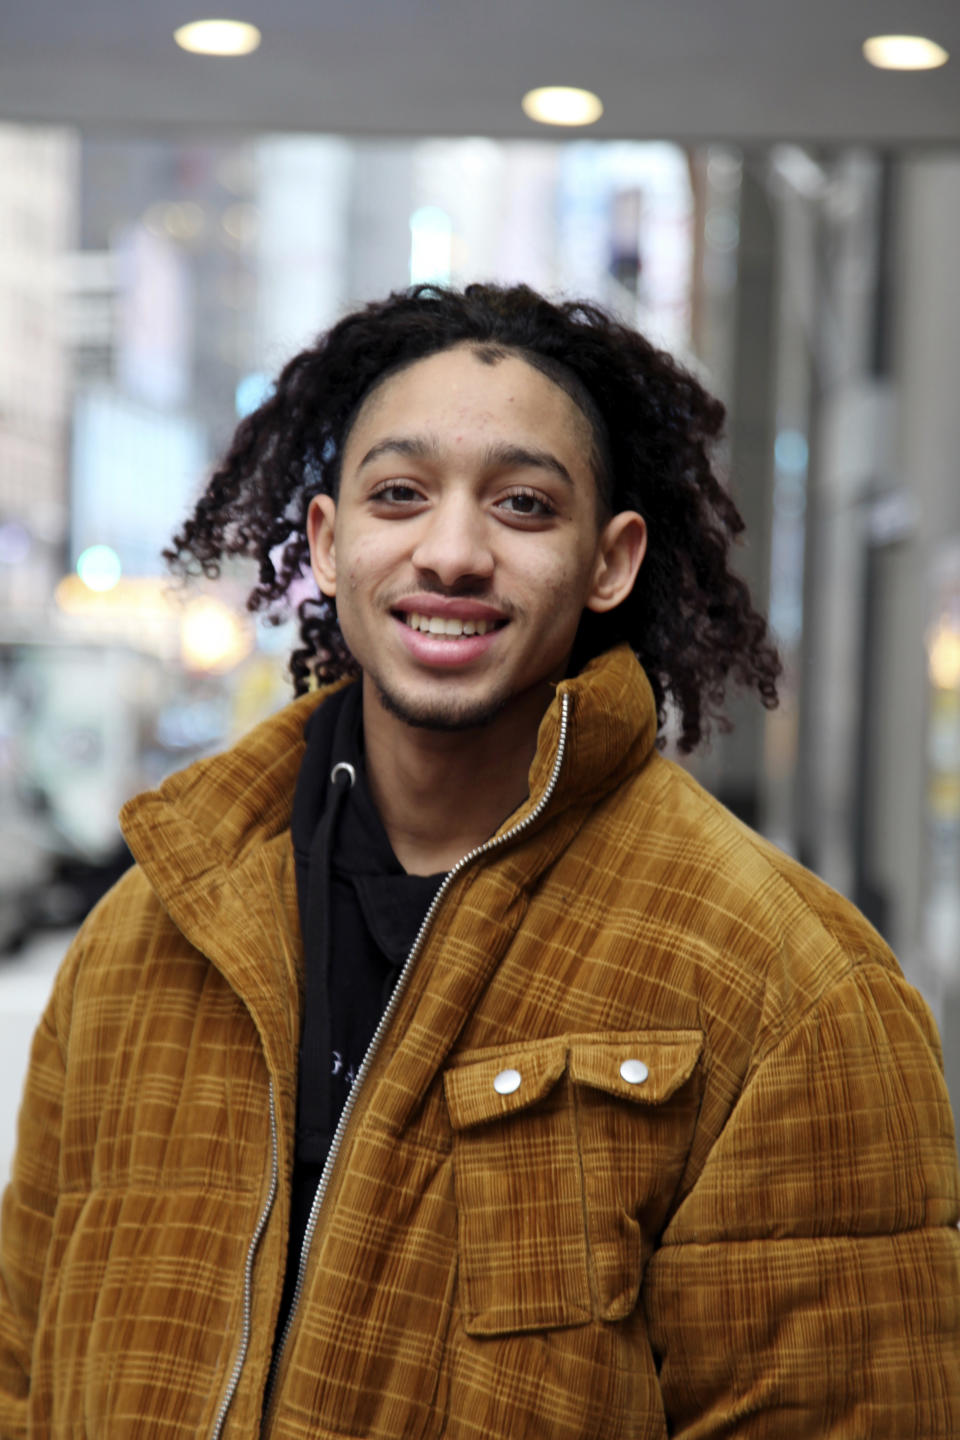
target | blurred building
[
  {"x": 844, "y": 328},
  {"x": 37, "y": 218},
  {"x": 173, "y": 279},
  {"x": 150, "y": 290}
]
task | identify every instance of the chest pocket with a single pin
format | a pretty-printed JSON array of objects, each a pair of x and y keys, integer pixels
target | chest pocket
[{"x": 567, "y": 1154}]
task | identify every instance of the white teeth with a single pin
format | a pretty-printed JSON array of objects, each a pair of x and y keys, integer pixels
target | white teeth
[{"x": 446, "y": 624}]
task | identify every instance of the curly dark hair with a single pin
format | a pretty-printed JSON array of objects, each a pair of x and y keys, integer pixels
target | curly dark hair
[{"x": 689, "y": 618}]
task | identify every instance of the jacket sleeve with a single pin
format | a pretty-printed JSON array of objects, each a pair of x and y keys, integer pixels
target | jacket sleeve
[
  {"x": 27, "y": 1222},
  {"x": 809, "y": 1283}
]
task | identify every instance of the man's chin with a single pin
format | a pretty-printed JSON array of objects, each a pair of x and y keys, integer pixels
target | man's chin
[{"x": 443, "y": 715}]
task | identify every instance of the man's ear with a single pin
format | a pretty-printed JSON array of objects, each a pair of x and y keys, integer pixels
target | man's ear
[
  {"x": 321, "y": 518},
  {"x": 620, "y": 551}
]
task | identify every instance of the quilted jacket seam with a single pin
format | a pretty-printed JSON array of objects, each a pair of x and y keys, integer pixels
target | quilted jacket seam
[
  {"x": 855, "y": 966},
  {"x": 838, "y": 946}
]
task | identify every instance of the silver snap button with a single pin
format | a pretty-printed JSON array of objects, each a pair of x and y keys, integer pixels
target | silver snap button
[
  {"x": 506, "y": 1082},
  {"x": 634, "y": 1072}
]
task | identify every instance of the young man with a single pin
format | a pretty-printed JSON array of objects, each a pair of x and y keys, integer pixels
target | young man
[{"x": 450, "y": 1063}]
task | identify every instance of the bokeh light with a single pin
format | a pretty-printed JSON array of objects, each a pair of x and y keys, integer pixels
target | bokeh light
[
  {"x": 212, "y": 637},
  {"x": 218, "y": 37},
  {"x": 904, "y": 52},
  {"x": 562, "y": 105},
  {"x": 99, "y": 567}
]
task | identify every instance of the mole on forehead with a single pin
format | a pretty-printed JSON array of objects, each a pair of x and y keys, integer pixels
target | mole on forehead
[{"x": 487, "y": 356}]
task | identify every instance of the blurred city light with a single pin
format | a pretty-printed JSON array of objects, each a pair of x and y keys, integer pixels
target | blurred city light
[
  {"x": 182, "y": 220},
  {"x": 139, "y": 599},
  {"x": 218, "y": 37},
  {"x": 212, "y": 637},
  {"x": 791, "y": 452},
  {"x": 562, "y": 105},
  {"x": 241, "y": 224},
  {"x": 904, "y": 52},
  {"x": 99, "y": 567},
  {"x": 431, "y": 245},
  {"x": 943, "y": 656},
  {"x": 138, "y": 612}
]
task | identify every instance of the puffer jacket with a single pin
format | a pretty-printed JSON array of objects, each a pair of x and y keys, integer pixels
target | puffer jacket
[{"x": 654, "y": 1139}]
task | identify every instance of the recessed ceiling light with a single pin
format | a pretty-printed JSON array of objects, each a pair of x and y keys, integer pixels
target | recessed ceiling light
[
  {"x": 218, "y": 37},
  {"x": 904, "y": 52},
  {"x": 562, "y": 105}
]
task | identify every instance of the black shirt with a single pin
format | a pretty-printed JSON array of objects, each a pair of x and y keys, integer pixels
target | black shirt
[{"x": 359, "y": 916}]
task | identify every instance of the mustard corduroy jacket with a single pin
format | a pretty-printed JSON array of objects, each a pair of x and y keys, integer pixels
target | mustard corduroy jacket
[{"x": 655, "y": 1140}]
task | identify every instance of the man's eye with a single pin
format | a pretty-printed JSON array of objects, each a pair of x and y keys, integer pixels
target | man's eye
[
  {"x": 526, "y": 503},
  {"x": 396, "y": 493}
]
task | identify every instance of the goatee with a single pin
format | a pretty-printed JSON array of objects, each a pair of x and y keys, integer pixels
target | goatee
[{"x": 442, "y": 716}]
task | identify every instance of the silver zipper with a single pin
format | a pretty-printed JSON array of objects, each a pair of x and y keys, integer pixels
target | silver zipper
[
  {"x": 241, "y": 1356},
  {"x": 385, "y": 1019}
]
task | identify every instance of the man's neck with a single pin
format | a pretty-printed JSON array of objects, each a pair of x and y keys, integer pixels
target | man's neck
[{"x": 442, "y": 793}]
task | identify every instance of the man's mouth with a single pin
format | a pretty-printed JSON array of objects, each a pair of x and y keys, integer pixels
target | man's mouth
[{"x": 447, "y": 624}]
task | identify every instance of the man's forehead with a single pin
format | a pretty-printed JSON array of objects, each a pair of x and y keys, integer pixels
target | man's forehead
[{"x": 396, "y": 386}]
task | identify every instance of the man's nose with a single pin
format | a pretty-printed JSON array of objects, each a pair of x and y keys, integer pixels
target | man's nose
[{"x": 453, "y": 543}]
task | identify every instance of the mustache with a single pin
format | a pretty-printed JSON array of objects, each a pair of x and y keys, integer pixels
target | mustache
[{"x": 465, "y": 589}]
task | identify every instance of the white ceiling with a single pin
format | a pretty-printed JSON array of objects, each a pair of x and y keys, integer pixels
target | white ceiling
[{"x": 746, "y": 70}]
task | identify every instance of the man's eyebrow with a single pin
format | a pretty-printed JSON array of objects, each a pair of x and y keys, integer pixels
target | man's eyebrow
[
  {"x": 501, "y": 456},
  {"x": 416, "y": 447},
  {"x": 517, "y": 457}
]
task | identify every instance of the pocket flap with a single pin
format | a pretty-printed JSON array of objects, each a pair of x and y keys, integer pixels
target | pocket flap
[
  {"x": 502, "y": 1083},
  {"x": 646, "y": 1066}
]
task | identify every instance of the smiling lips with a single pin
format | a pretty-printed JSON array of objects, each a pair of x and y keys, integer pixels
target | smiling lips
[
  {"x": 444, "y": 631},
  {"x": 448, "y": 624}
]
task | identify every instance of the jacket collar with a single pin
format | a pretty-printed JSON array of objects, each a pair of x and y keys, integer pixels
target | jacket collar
[
  {"x": 214, "y": 843},
  {"x": 612, "y": 728},
  {"x": 217, "y": 811}
]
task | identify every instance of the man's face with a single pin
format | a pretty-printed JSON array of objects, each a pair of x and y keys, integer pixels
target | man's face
[{"x": 465, "y": 543}]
